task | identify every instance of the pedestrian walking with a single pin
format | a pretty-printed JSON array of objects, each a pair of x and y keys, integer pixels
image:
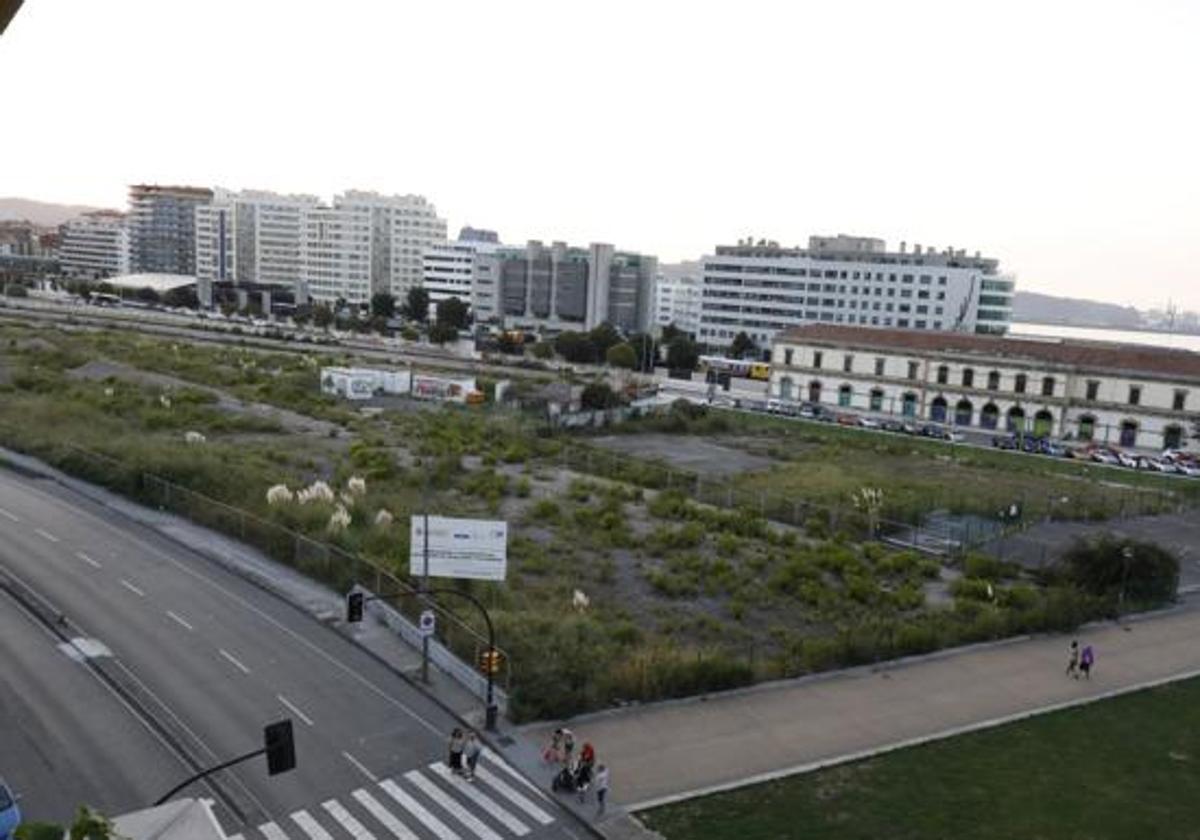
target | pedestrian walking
[
  {"x": 1073, "y": 659},
  {"x": 1086, "y": 660},
  {"x": 553, "y": 753},
  {"x": 471, "y": 750},
  {"x": 457, "y": 743},
  {"x": 583, "y": 778},
  {"x": 568, "y": 748},
  {"x": 601, "y": 788}
]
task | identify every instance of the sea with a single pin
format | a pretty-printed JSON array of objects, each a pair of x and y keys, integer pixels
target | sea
[{"x": 1158, "y": 339}]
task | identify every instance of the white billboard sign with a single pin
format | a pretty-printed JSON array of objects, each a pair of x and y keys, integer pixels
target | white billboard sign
[{"x": 460, "y": 548}]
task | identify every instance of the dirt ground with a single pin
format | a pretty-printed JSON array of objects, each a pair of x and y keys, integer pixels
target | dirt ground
[{"x": 687, "y": 452}]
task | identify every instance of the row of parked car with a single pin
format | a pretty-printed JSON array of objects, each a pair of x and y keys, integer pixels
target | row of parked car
[
  {"x": 1172, "y": 461},
  {"x": 823, "y": 414}
]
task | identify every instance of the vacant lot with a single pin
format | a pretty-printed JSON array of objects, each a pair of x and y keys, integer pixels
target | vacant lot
[
  {"x": 1119, "y": 769},
  {"x": 692, "y": 454}
]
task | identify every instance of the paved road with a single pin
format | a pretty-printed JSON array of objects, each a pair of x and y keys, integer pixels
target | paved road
[{"x": 216, "y": 658}]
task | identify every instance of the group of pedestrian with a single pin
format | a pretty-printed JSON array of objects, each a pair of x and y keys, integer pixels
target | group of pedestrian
[
  {"x": 464, "y": 753},
  {"x": 1080, "y": 661},
  {"x": 576, "y": 774}
]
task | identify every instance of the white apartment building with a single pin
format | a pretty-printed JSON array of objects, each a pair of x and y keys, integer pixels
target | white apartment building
[
  {"x": 402, "y": 228},
  {"x": 678, "y": 292},
  {"x": 761, "y": 288},
  {"x": 1125, "y": 395},
  {"x": 252, "y": 237},
  {"x": 94, "y": 246},
  {"x": 449, "y": 270}
]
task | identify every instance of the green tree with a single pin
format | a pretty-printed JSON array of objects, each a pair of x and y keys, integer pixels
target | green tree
[
  {"x": 598, "y": 395},
  {"x": 416, "y": 305},
  {"x": 147, "y": 295},
  {"x": 742, "y": 346},
  {"x": 322, "y": 315},
  {"x": 440, "y": 333},
  {"x": 646, "y": 348},
  {"x": 183, "y": 296},
  {"x": 621, "y": 356},
  {"x": 576, "y": 347},
  {"x": 603, "y": 337},
  {"x": 453, "y": 312},
  {"x": 383, "y": 305},
  {"x": 682, "y": 353},
  {"x": 1141, "y": 573},
  {"x": 542, "y": 350},
  {"x": 90, "y": 825}
]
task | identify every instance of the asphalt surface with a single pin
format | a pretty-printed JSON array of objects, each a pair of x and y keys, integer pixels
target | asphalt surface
[{"x": 208, "y": 659}]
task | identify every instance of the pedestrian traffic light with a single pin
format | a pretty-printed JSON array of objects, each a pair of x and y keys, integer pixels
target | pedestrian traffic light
[
  {"x": 281, "y": 750},
  {"x": 489, "y": 661},
  {"x": 354, "y": 607}
]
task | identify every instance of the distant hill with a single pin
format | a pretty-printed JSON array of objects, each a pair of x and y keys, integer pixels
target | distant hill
[
  {"x": 40, "y": 212},
  {"x": 1048, "y": 309}
]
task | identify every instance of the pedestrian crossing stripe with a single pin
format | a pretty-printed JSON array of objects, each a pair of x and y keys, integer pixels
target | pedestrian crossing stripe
[
  {"x": 482, "y": 800},
  {"x": 451, "y": 806},
  {"x": 347, "y": 820},
  {"x": 272, "y": 831},
  {"x": 514, "y": 796},
  {"x": 310, "y": 826},
  {"x": 418, "y": 810},
  {"x": 384, "y": 816}
]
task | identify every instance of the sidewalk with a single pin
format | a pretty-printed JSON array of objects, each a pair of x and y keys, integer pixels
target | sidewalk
[{"x": 675, "y": 750}]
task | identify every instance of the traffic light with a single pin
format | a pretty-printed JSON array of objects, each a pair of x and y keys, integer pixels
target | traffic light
[
  {"x": 281, "y": 750},
  {"x": 489, "y": 661},
  {"x": 354, "y": 607}
]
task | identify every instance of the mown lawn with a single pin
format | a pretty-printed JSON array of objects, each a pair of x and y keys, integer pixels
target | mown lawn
[{"x": 1123, "y": 769}]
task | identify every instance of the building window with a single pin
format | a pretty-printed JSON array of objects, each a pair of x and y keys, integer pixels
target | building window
[
  {"x": 1093, "y": 391},
  {"x": 879, "y": 366},
  {"x": 908, "y": 405},
  {"x": 994, "y": 381},
  {"x": 814, "y": 391},
  {"x": 1172, "y": 437},
  {"x": 1129, "y": 432},
  {"x": 968, "y": 378},
  {"x": 1135, "y": 394},
  {"x": 989, "y": 417},
  {"x": 1087, "y": 427},
  {"x": 876, "y": 399},
  {"x": 848, "y": 363},
  {"x": 937, "y": 410},
  {"x": 845, "y": 393},
  {"x": 963, "y": 413},
  {"x": 1048, "y": 386},
  {"x": 943, "y": 374},
  {"x": 817, "y": 359},
  {"x": 1016, "y": 419},
  {"x": 787, "y": 356},
  {"x": 1019, "y": 383},
  {"x": 1179, "y": 402},
  {"x": 914, "y": 368}
]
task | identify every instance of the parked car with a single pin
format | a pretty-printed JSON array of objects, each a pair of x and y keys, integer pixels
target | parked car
[
  {"x": 1127, "y": 460},
  {"x": 1054, "y": 450},
  {"x": 1005, "y": 442},
  {"x": 891, "y": 425},
  {"x": 869, "y": 423},
  {"x": 1159, "y": 465},
  {"x": 1103, "y": 456},
  {"x": 808, "y": 412},
  {"x": 1188, "y": 468},
  {"x": 846, "y": 419},
  {"x": 10, "y": 814}
]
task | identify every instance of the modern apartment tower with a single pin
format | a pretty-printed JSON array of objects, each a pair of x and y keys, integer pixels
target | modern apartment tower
[
  {"x": 251, "y": 237},
  {"x": 760, "y": 288},
  {"x": 162, "y": 228},
  {"x": 94, "y": 246}
]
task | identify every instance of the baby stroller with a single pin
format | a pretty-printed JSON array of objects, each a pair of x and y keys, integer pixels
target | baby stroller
[{"x": 564, "y": 781}]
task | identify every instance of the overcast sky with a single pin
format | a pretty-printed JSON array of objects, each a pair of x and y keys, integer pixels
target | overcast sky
[{"x": 1061, "y": 137}]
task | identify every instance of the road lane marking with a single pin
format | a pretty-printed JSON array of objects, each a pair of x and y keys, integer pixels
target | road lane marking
[
  {"x": 235, "y": 837},
  {"x": 513, "y": 796},
  {"x": 418, "y": 810},
  {"x": 179, "y": 620},
  {"x": 10, "y": 516},
  {"x": 233, "y": 659},
  {"x": 272, "y": 831},
  {"x": 292, "y": 708},
  {"x": 132, "y": 588},
  {"x": 481, "y": 799},
  {"x": 95, "y": 564},
  {"x": 46, "y": 535},
  {"x": 385, "y": 817},
  {"x": 361, "y": 767},
  {"x": 347, "y": 821},
  {"x": 310, "y": 826},
  {"x": 450, "y": 805},
  {"x": 504, "y": 765}
]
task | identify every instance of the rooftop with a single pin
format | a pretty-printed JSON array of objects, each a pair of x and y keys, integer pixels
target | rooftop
[
  {"x": 1100, "y": 356},
  {"x": 859, "y": 249},
  {"x": 157, "y": 282}
]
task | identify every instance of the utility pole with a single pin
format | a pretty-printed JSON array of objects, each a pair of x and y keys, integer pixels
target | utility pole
[{"x": 424, "y": 591}]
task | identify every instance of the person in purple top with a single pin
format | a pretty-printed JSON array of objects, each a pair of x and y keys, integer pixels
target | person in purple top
[{"x": 1086, "y": 660}]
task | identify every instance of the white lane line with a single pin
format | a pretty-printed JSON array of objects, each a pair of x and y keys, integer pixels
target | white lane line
[
  {"x": 132, "y": 588},
  {"x": 179, "y": 620},
  {"x": 272, "y": 831},
  {"x": 507, "y": 768},
  {"x": 310, "y": 826},
  {"x": 95, "y": 564},
  {"x": 233, "y": 659},
  {"x": 235, "y": 837},
  {"x": 46, "y": 535},
  {"x": 450, "y": 805},
  {"x": 418, "y": 810},
  {"x": 485, "y": 802},
  {"x": 346, "y": 820},
  {"x": 291, "y": 707},
  {"x": 385, "y": 817},
  {"x": 9, "y": 516},
  {"x": 361, "y": 767},
  {"x": 513, "y": 796}
]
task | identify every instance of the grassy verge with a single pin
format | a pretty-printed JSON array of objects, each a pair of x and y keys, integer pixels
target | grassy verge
[{"x": 1123, "y": 768}]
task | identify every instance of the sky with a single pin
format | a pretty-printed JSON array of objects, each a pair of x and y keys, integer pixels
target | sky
[{"x": 1061, "y": 137}]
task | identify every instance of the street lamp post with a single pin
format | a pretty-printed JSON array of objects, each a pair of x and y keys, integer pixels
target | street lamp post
[{"x": 1127, "y": 556}]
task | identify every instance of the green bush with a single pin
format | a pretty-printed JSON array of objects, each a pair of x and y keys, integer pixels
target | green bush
[
  {"x": 982, "y": 566},
  {"x": 1144, "y": 572}
]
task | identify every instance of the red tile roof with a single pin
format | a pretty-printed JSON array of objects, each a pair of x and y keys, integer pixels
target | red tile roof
[{"x": 1103, "y": 357}]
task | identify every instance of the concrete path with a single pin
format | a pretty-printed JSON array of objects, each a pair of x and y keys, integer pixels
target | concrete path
[{"x": 671, "y": 751}]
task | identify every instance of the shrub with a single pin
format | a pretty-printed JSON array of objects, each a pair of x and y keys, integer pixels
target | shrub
[
  {"x": 972, "y": 589},
  {"x": 1144, "y": 572},
  {"x": 982, "y": 566}
]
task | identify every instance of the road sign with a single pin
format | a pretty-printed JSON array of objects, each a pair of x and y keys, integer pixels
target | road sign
[
  {"x": 428, "y": 622},
  {"x": 459, "y": 548}
]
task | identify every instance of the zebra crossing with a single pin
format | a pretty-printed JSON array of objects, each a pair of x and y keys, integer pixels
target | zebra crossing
[{"x": 429, "y": 803}]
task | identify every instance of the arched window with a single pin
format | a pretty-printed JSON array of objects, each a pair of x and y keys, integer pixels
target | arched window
[
  {"x": 1129, "y": 432},
  {"x": 943, "y": 374},
  {"x": 1087, "y": 427},
  {"x": 937, "y": 410},
  {"x": 908, "y": 404},
  {"x": 877, "y": 399},
  {"x": 989, "y": 417},
  {"x": 963, "y": 412},
  {"x": 1016, "y": 419},
  {"x": 785, "y": 388},
  {"x": 968, "y": 378},
  {"x": 1172, "y": 437},
  {"x": 814, "y": 391},
  {"x": 1048, "y": 386},
  {"x": 845, "y": 395},
  {"x": 1043, "y": 423},
  {"x": 994, "y": 381}
]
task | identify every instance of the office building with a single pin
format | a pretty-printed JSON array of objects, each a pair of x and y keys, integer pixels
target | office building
[
  {"x": 94, "y": 246},
  {"x": 761, "y": 288},
  {"x": 450, "y": 270},
  {"x": 251, "y": 238},
  {"x": 162, "y": 228},
  {"x": 678, "y": 292}
]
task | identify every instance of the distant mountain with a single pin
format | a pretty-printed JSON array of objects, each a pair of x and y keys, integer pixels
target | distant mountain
[
  {"x": 40, "y": 212},
  {"x": 1075, "y": 312}
]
